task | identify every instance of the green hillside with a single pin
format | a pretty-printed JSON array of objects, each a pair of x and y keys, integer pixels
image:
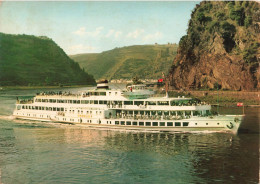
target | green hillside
[
  {"x": 30, "y": 60},
  {"x": 145, "y": 61}
]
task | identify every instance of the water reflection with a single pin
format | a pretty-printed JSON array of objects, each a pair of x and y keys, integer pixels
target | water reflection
[{"x": 34, "y": 152}]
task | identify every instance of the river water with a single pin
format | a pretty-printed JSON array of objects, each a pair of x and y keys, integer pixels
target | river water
[{"x": 36, "y": 152}]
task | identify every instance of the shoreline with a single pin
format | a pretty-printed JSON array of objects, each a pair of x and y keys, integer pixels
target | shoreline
[{"x": 40, "y": 87}]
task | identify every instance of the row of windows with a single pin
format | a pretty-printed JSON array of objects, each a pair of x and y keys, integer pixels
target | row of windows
[
  {"x": 106, "y": 102},
  {"x": 41, "y": 108},
  {"x": 135, "y": 123}
]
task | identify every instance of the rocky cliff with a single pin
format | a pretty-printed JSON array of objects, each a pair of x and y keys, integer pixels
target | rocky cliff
[{"x": 221, "y": 48}]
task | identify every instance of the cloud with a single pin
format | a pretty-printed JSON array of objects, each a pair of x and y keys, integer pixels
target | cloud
[
  {"x": 82, "y": 32},
  {"x": 80, "y": 48},
  {"x": 153, "y": 37},
  {"x": 113, "y": 33},
  {"x": 135, "y": 33}
]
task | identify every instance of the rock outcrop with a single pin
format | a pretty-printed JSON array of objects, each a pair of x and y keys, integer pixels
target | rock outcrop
[{"x": 221, "y": 48}]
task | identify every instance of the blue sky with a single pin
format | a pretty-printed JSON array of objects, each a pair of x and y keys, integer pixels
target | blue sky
[{"x": 90, "y": 27}]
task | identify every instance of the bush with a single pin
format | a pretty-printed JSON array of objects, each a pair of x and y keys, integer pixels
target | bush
[
  {"x": 249, "y": 54},
  {"x": 248, "y": 21},
  {"x": 238, "y": 15},
  {"x": 213, "y": 26}
]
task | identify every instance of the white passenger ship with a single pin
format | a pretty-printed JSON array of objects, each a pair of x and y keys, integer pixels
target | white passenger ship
[{"x": 133, "y": 108}]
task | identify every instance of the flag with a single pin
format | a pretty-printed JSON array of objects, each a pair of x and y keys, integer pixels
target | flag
[
  {"x": 240, "y": 104},
  {"x": 160, "y": 80}
]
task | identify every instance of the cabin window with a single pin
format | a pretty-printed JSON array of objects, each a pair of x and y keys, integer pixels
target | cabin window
[
  {"x": 138, "y": 102},
  {"x": 159, "y": 113},
  {"x": 151, "y": 103},
  {"x": 141, "y": 123},
  {"x": 116, "y": 122},
  {"x": 134, "y": 123},
  {"x": 102, "y": 93},
  {"x": 153, "y": 112},
  {"x": 147, "y": 113},
  {"x": 122, "y": 123},
  {"x": 196, "y": 113},
  {"x": 18, "y": 107},
  {"x": 155, "y": 123},
  {"x": 179, "y": 113},
  {"x": 102, "y": 102},
  {"x": 187, "y": 113},
  {"x": 162, "y": 123},
  {"x": 54, "y": 108},
  {"x": 173, "y": 113},
  {"x": 95, "y": 101},
  {"x": 208, "y": 112},
  {"x": 185, "y": 124},
  {"x": 177, "y": 124},
  {"x": 166, "y": 113},
  {"x": 128, "y": 123},
  {"x": 207, "y": 124},
  {"x": 173, "y": 103},
  {"x": 115, "y": 93},
  {"x": 62, "y": 109},
  {"x": 47, "y": 108},
  {"x": 58, "y": 109},
  {"x": 148, "y": 124},
  {"x": 217, "y": 123},
  {"x": 169, "y": 123},
  {"x": 85, "y": 101},
  {"x": 163, "y": 102},
  {"x": 128, "y": 102}
]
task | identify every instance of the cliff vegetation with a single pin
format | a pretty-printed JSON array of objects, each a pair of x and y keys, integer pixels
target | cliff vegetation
[
  {"x": 220, "y": 49},
  {"x": 30, "y": 60}
]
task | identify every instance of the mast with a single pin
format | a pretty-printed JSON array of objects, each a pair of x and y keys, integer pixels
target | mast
[{"x": 166, "y": 85}]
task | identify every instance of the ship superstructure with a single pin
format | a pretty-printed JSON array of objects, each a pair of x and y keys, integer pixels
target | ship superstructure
[{"x": 135, "y": 107}]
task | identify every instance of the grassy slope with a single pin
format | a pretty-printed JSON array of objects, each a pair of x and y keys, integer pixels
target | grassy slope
[
  {"x": 145, "y": 61},
  {"x": 30, "y": 60}
]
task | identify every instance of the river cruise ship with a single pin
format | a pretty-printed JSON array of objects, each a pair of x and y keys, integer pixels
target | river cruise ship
[{"x": 135, "y": 107}]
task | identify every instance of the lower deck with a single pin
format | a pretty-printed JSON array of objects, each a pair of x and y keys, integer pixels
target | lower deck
[{"x": 195, "y": 123}]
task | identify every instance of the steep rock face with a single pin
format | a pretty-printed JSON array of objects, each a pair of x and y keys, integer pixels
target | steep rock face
[{"x": 221, "y": 48}]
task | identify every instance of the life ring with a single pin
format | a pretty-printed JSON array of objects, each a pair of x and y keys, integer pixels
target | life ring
[{"x": 230, "y": 126}]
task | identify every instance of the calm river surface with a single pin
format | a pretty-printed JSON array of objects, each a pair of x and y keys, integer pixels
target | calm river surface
[{"x": 35, "y": 152}]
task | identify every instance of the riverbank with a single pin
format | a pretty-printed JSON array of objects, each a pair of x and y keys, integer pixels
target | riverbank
[
  {"x": 223, "y": 98},
  {"x": 41, "y": 87}
]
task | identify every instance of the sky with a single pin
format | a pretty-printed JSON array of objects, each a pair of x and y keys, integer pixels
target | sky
[{"x": 94, "y": 27}]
